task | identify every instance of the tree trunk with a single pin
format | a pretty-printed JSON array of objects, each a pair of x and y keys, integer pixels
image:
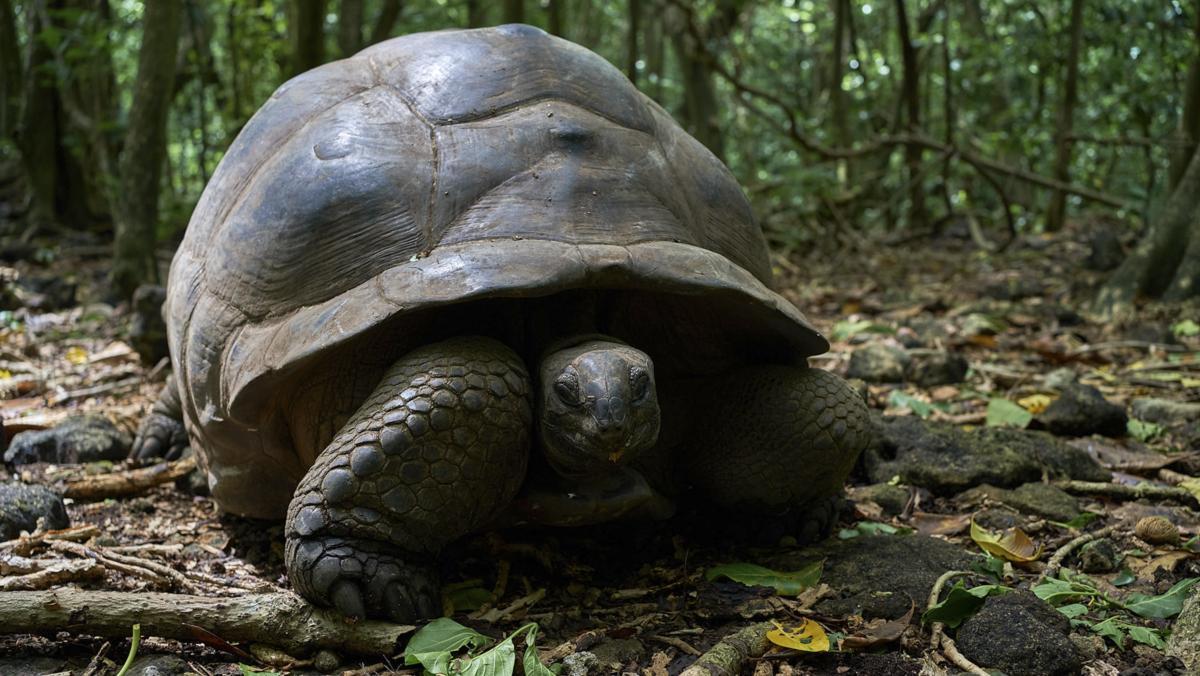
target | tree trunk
[
  {"x": 1057, "y": 210},
  {"x": 911, "y": 89},
  {"x": 476, "y": 13},
  {"x": 631, "y": 40},
  {"x": 142, "y": 158},
  {"x": 1169, "y": 246},
  {"x": 554, "y": 18},
  {"x": 837, "y": 97},
  {"x": 307, "y": 29},
  {"x": 388, "y": 15},
  {"x": 514, "y": 11},
  {"x": 10, "y": 71},
  {"x": 700, "y": 101},
  {"x": 350, "y": 23},
  {"x": 39, "y": 129},
  {"x": 1188, "y": 134}
]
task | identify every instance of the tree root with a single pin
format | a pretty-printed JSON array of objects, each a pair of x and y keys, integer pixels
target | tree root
[
  {"x": 727, "y": 656},
  {"x": 127, "y": 482},
  {"x": 281, "y": 619}
]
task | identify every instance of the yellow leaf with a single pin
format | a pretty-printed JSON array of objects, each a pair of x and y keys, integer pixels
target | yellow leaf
[
  {"x": 1190, "y": 382},
  {"x": 809, "y": 637},
  {"x": 1035, "y": 403},
  {"x": 1014, "y": 545},
  {"x": 5, "y": 374},
  {"x": 1191, "y": 485},
  {"x": 77, "y": 355}
]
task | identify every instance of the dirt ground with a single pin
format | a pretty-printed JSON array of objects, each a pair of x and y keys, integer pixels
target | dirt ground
[{"x": 636, "y": 596}]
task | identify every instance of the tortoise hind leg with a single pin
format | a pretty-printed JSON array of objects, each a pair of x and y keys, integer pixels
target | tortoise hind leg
[
  {"x": 437, "y": 450},
  {"x": 161, "y": 433},
  {"x": 778, "y": 441}
]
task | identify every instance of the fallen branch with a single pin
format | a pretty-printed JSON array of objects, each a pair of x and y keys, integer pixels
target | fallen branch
[
  {"x": 727, "y": 656},
  {"x": 282, "y": 619},
  {"x": 44, "y": 574},
  {"x": 127, "y": 482},
  {"x": 1123, "y": 492},
  {"x": 1061, "y": 554}
]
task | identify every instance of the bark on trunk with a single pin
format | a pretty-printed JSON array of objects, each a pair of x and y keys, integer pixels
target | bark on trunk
[
  {"x": 1057, "y": 211},
  {"x": 307, "y": 30},
  {"x": 144, "y": 150},
  {"x": 912, "y": 102},
  {"x": 280, "y": 619},
  {"x": 631, "y": 40},
  {"x": 554, "y": 18},
  {"x": 10, "y": 71},
  {"x": 476, "y": 12},
  {"x": 350, "y": 23},
  {"x": 837, "y": 97},
  {"x": 514, "y": 11},
  {"x": 388, "y": 15},
  {"x": 1188, "y": 134}
]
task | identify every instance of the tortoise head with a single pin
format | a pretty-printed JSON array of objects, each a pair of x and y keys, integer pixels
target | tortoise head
[{"x": 598, "y": 407}]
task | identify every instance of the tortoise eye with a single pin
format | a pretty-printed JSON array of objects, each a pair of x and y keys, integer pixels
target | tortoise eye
[
  {"x": 639, "y": 382},
  {"x": 567, "y": 389}
]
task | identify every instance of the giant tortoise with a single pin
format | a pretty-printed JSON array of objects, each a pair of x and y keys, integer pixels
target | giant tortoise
[{"x": 471, "y": 277}]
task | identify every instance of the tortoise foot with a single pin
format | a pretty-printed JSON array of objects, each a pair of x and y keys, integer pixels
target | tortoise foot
[
  {"x": 161, "y": 433},
  {"x": 361, "y": 580}
]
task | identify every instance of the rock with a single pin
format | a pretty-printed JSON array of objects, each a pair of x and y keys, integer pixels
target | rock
[
  {"x": 876, "y": 575},
  {"x": 147, "y": 329},
  {"x": 938, "y": 368},
  {"x": 85, "y": 438},
  {"x": 326, "y": 661},
  {"x": 948, "y": 460},
  {"x": 614, "y": 653},
  {"x": 580, "y": 663},
  {"x": 998, "y": 518},
  {"x": 1165, "y": 411},
  {"x": 1157, "y": 530},
  {"x": 1020, "y": 635},
  {"x": 1035, "y": 498},
  {"x": 36, "y": 665},
  {"x": 893, "y": 499},
  {"x": 1060, "y": 379},
  {"x": 878, "y": 363},
  {"x": 159, "y": 665},
  {"x": 1105, "y": 253},
  {"x": 21, "y": 505},
  {"x": 1081, "y": 410},
  {"x": 1184, "y": 642},
  {"x": 1099, "y": 556}
]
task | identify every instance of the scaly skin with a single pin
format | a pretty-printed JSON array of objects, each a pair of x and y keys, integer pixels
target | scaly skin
[
  {"x": 161, "y": 433},
  {"x": 436, "y": 451},
  {"x": 777, "y": 441}
]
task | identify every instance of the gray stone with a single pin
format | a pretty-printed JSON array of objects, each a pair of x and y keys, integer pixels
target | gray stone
[
  {"x": 1020, "y": 635},
  {"x": 159, "y": 665},
  {"x": 1081, "y": 410},
  {"x": 85, "y": 438},
  {"x": 878, "y": 363},
  {"x": 1038, "y": 499},
  {"x": 36, "y": 665},
  {"x": 1099, "y": 556},
  {"x": 937, "y": 368},
  {"x": 877, "y": 575},
  {"x": 21, "y": 505},
  {"x": 1165, "y": 411},
  {"x": 948, "y": 460},
  {"x": 1184, "y": 642},
  {"x": 580, "y": 663},
  {"x": 1061, "y": 378}
]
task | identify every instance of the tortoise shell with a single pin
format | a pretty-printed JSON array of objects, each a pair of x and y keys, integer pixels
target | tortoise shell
[{"x": 429, "y": 171}]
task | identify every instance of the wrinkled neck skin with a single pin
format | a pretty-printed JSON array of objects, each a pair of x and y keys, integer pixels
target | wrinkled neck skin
[{"x": 597, "y": 407}]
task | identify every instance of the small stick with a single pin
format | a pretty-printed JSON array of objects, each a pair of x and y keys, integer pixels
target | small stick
[
  {"x": 1061, "y": 554},
  {"x": 51, "y": 573},
  {"x": 1123, "y": 492},
  {"x": 727, "y": 656},
  {"x": 678, "y": 643},
  {"x": 127, "y": 482}
]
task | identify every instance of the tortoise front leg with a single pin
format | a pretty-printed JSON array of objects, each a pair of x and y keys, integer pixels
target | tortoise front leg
[
  {"x": 437, "y": 450},
  {"x": 161, "y": 433},
  {"x": 777, "y": 441}
]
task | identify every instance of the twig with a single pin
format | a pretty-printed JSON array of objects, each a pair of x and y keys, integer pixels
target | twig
[
  {"x": 938, "y": 638},
  {"x": 1132, "y": 344},
  {"x": 115, "y": 562},
  {"x": 678, "y": 643},
  {"x": 127, "y": 482},
  {"x": 727, "y": 656},
  {"x": 281, "y": 619},
  {"x": 44, "y": 574},
  {"x": 1061, "y": 554},
  {"x": 1123, "y": 492}
]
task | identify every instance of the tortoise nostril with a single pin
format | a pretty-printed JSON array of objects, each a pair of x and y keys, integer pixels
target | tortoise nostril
[{"x": 610, "y": 413}]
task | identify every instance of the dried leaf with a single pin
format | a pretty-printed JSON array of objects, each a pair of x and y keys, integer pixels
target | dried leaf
[
  {"x": 939, "y": 524},
  {"x": 1013, "y": 545},
  {"x": 1035, "y": 403},
  {"x": 807, "y": 637},
  {"x": 879, "y": 631}
]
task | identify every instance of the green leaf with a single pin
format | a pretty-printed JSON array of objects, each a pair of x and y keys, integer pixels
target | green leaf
[
  {"x": 1164, "y": 605},
  {"x": 1142, "y": 430},
  {"x": 960, "y": 603},
  {"x": 1078, "y": 522},
  {"x": 788, "y": 584},
  {"x": 433, "y": 645},
  {"x": 1073, "y": 610},
  {"x": 845, "y": 330},
  {"x": 1004, "y": 413},
  {"x": 1186, "y": 329},
  {"x": 871, "y": 528},
  {"x": 1123, "y": 577},
  {"x": 990, "y": 565},
  {"x": 1111, "y": 629},
  {"x": 1057, "y": 592},
  {"x": 247, "y": 670},
  {"x": 499, "y": 661},
  {"x": 533, "y": 665},
  {"x": 1150, "y": 637},
  {"x": 901, "y": 399}
]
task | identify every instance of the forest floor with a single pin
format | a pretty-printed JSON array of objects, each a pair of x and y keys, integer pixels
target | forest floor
[{"x": 962, "y": 356}]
